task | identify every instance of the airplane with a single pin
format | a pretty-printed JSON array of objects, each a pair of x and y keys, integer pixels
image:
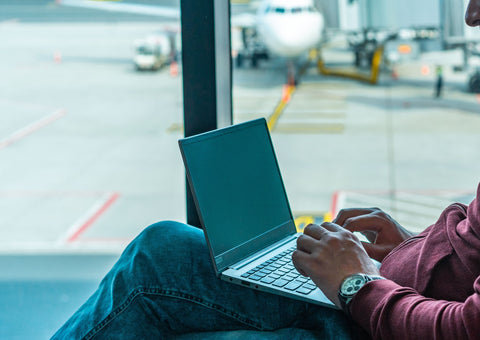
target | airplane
[{"x": 285, "y": 28}]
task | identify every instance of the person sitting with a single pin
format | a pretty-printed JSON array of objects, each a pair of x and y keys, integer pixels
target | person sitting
[{"x": 428, "y": 285}]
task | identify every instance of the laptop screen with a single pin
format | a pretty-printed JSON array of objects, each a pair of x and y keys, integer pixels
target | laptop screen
[{"x": 238, "y": 189}]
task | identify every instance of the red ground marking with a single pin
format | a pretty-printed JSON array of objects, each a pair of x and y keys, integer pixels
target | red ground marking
[
  {"x": 92, "y": 218},
  {"x": 334, "y": 204},
  {"x": 19, "y": 134}
]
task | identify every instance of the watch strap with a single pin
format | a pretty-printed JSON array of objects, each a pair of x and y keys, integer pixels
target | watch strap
[{"x": 345, "y": 301}]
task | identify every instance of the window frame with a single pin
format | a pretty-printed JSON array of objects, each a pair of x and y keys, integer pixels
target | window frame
[{"x": 207, "y": 73}]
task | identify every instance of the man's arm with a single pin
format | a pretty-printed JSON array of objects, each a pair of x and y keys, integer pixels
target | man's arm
[
  {"x": 389, "y": 311},
  {"x": 330, "y": 253}
]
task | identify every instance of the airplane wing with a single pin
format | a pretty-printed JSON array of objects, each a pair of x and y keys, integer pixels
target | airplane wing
[{"x": 166, "y": 12}]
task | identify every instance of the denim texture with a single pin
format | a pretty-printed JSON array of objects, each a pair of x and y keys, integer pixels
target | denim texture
[{"x": 164, "y": 287}]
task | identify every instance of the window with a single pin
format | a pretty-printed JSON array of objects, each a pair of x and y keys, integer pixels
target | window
[
  {"x": 342, "y": 142},
  {"x": 89, "y": 127}
]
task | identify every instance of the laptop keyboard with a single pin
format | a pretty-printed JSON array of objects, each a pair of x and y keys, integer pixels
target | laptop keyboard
[{"x": 280, "y": 272}]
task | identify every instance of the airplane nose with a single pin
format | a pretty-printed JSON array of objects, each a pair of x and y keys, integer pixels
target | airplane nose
[
  {"x": 297, "y": 40},
  {"x": 290, "y": 35}
]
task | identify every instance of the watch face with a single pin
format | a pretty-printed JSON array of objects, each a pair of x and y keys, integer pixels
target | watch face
[{"x": 352, "y": 284}]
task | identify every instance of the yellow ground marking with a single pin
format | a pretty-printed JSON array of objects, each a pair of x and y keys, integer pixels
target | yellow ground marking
[
  {"x": 288, "y": 90},
  {"x": 272, "y": 120},
  {"x": 312, "y": 55},
  {"x": 175, "y": 127},
  {"x": 303, "y": 220},
  {"x": 370, "y": 78},
  {"x": 328, "y": 217}
]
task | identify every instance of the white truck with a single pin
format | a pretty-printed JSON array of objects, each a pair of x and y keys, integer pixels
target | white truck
[{"x": 153, "y": 52}]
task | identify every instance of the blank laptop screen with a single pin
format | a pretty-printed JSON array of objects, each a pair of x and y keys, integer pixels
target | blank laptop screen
[{"x": 237, "y": 184}]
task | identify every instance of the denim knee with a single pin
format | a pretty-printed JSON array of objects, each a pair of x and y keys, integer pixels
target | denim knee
[{"x": 169, "y": 236}]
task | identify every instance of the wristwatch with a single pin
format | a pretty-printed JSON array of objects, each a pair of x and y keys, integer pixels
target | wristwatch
[{"x": 350, "y": 286}]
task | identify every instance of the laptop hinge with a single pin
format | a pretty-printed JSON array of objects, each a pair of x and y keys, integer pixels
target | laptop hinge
[{"x": 259, "y": 254}]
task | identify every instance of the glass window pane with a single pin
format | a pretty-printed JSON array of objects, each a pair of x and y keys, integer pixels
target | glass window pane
[
  {"x": 91, "y": 111},
  {"x": 407, "y": 143}
]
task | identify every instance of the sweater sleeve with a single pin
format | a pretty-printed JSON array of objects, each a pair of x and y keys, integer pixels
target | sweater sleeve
[{"x": 389, "y": 311}]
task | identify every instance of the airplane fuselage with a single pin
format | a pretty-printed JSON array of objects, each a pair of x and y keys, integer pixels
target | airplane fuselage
[{"x": 289, "y": 28}]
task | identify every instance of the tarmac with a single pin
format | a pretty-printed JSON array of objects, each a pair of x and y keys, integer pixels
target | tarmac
[{"x": 89, "y": 151}]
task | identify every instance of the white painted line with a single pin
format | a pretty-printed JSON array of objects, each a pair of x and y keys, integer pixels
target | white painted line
[{"x": 19, "y": 134}]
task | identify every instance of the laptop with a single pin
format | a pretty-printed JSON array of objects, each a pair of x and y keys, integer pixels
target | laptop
[{"x": 243, "y": 207}]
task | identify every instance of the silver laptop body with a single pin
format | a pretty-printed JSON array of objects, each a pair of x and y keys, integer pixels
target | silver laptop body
[{"x": 243, "y": 207}]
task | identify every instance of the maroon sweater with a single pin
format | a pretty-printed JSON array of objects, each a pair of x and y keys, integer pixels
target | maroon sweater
[{"x": 433, "y": 286}]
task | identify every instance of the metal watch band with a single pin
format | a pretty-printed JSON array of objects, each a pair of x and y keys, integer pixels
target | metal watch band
[{"x": 345, "y": 300}]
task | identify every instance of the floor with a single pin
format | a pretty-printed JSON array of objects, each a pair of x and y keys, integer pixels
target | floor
[{"x": 38, "y": 293}]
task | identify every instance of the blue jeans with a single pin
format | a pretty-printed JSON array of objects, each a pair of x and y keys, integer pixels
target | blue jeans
[{"x": 163, "y": 286}]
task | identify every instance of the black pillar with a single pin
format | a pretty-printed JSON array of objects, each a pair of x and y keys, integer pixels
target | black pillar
[{"x": 206, "y": 65}]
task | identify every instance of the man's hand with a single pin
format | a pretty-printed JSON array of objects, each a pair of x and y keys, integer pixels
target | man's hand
[
  {"x": 328, "y": 254},
  {"x": 379, "y": 228}
]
